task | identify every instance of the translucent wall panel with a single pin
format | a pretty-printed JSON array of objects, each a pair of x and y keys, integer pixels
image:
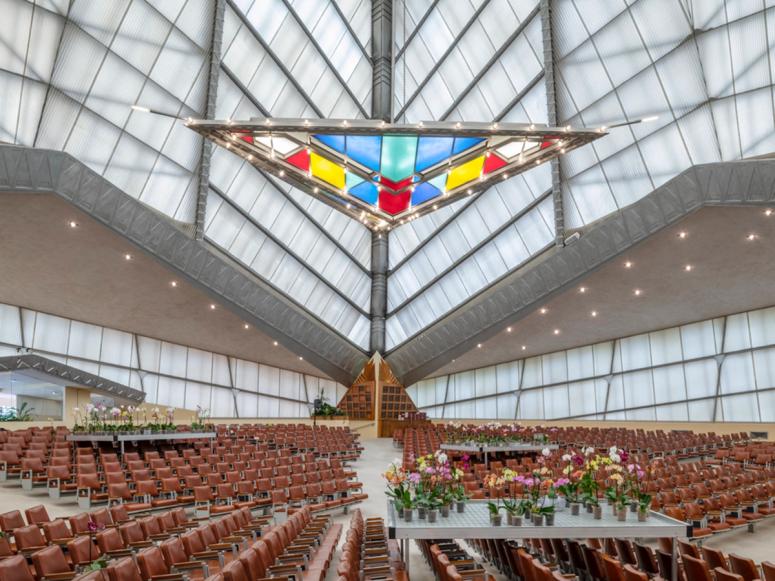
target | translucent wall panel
[
  {"x": 700, "y": 66},
  {"x": 169, "y": 374},
  {"x": 335, "y": 295},
  {"x": 697, "y": 372}
]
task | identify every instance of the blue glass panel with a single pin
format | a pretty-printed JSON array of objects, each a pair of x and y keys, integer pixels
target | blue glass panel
[
  {"x": 432, "y": 150},
  {"x": 352, "y": 180},
  {"x": 335, "y": 142},
  {"x": 365, "y": 191},
  {"x": 463, "y": 143},
  {"x": 365, "y": 149},
  {"x": 424, "y": 192},
  {"x": 440, "y": 181}
]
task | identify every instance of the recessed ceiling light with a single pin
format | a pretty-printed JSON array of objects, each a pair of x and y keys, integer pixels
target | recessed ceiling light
[
  {"x": 682, "y": 234},
  {"x": 72, "y": 224},
  {"x": 246, "y": 326},
  {"x": 751, "y": 236},
  {"x": 768, "y": 212},
  {"x": 637, "y": 292},
  {"x": 274, "y": 343},
  {"x": 301, "y": 358},
  {"x": 524, "y": 347},
  {"x": 174, "y": 283},
  {"x": 212, "y": 307},
  {"x": 582, "y": 289},
  {"x": 628, "y": 264},
  {"x": 593, "y": 314},
  {"x": 556, "y": 331},
  {"x": 688, "y": 268},
  {"x": 127, "y": 257},
  {"x": 543, "y": 310},
  {"x": 478, "y": 345},
  {"x": 508, "y": 329}
]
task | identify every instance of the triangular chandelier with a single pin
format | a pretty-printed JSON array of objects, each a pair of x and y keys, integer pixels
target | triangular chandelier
[{"x": 385, "y": 174}]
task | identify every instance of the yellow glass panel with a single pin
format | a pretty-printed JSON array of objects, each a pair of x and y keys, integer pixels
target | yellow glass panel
[
  {"x": 465, "y": 173},
  {"x": 327, "y": 170}
]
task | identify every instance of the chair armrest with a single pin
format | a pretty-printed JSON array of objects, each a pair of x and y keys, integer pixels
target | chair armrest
[
  {"x": 65, "y": 576},
  {"x": 141, "y": 544},
  {"x": 119, "y": 553},
  {"x": 168, "y": 577},
  {"x": 220, "y": 546},
  {"x": 205, "y": 555}
]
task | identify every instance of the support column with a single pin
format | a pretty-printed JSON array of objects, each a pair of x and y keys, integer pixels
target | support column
[
  {"x": 382, "y": 59},
  {"x": 381, "y": 106},
  {"x": 551, "y": 109},
  {"x": 209, "y": 113},
  {"x": 379, "y": 267}
]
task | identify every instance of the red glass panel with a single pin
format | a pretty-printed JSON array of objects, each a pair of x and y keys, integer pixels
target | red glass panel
[
  {"x": 492, "y": 162},
  {"x": 394, "y": 203},
  {"x": 395, "y": 186},
  {"x": 300, "y": 159}
]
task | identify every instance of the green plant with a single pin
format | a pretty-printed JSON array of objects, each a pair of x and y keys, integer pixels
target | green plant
[
  {"x": 494, "y": 507},
  {"x": 23, "y": 413},
  {"x": 514, "y": 507},
  {"x": 328, "y": 410}
]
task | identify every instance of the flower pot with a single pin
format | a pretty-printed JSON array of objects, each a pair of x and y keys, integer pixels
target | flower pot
[
  {"x": 397, "y": 507},
  {"x": 445, "y": 511},
  {"x": 528, "y": 516},
  {"x": 432, "y": 515},
  {"x": 496, "y": 520},
  {"x": 513, "y": 520},
  {"x": 549, "y": 518},
  {"x": 597, "y": 511},
  {"x": 634, "y": 506},
  {"x": 575, "y": 508},
  {"x": 421, "y": 513},
  {"x": 460, "y": 506},
  {"x": 408, "y": 514},
  {"x": 621, "y": 515},
  {"x": 590, "y": 508},
  {"x": 642, "y": 515},
  {"x": 538, "y": 520}
]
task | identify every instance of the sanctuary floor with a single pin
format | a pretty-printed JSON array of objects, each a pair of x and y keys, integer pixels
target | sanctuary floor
[{"x": 759, "y": 546}]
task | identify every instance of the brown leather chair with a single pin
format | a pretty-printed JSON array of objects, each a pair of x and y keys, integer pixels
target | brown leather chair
[
  {"x": 101, "y": 517},
  {"x": 29, "y": 538},
  {"x": 119, "y": 514},
  {"x": 57, "y": 531},
  {"x": 11, "y": 520},
  {"x": 724, "y": 575},
  {"x": 79, "y": 523},
  {"x": 696, "y": 569},
  {"x": 152, "y": 564},
  {"x": 632, "y": 574},
  {"x": 687, "y": 548},
  {"x": 175, "y": 556},
  {"x": 768, "y": 569},
  {"x": 15, "y": 569},
  {"x": 613, "y": 569},
  {"x": 110, "y": 541},
  {"x": 746, "y": 568},
  {"x": 714, "y": 558},
  {"x": 51, "y": 563},
  {"x": 235, "y": 571},
  {"x": 124, "y": 570},
  {"x": 37, "y": 515},
  {"x": 133, "y": 535},
  {"x": 83, "y": 550}
]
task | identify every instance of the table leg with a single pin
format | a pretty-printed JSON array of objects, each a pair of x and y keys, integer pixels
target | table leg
[
  {"x": 674, "y": 572},
  {"x": 405, "y": 554}
]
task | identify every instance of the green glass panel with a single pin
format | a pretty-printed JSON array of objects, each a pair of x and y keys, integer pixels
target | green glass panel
[
  {"x": 352, "y": 180},
  {"x": 398, "y": 153}
]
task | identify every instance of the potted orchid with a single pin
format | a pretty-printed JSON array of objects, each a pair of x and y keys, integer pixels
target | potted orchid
[
  {"x": 570, "y": 489},
  {"x": 397, "y": 484},
  {"x": 495, "y": 484},
  {"x": 642, "y": 500},
  {"x": 616, "y": 493},
  {"x": 514, "y": 508}
]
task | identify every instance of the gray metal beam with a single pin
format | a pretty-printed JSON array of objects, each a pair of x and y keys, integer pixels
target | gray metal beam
[
  {"x": 171, "y": 243},
  {"x": 77, "y": 376},
  {"x": 216, "y": 41},
  {"x": 417, "y": 28},
  {"x": 737, "y": 183},
  {"x": 379, "y": 262},
  {"x": 382, "y": 59},
  {"x": 545, "y": 7}
]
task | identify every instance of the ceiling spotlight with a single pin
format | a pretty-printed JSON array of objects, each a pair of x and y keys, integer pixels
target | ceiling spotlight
[
  {"x": 315, "y": 189},
  {"x": 470, "y": 191},
  {"x": 508, "y": 329},
  {"x": 505, "y": 176},
  {"x": 751, "y": 237},
  {"x": 174, "y": 283},
  {"x": 301, "y": 358},
  {"x": 478, "y": 345},
  {"x": 682, "y": 234},
  {"x": 637, "y": 292},
  {"x": 628, "y": 264},
  {"x": 246, "y": 326},
  {"x": 768, "y": 212},
  {"x": 212, "y": 306},
  {"x": 282, "y": 172},
  {"x": 593, "y": 314},
  {"x": 524, "y": 347},
  {"x": 274, "y": 343},
  {"x": 457, "y": 125},
  {"x": 72, "y": 224},
  {"x": 688, "y": 268},
  {"x": 543, "y": 310},
  {"x": 582, "y": 289},
  {"x": 556, "y": 331},
  {"x": 127, "y": 257}
]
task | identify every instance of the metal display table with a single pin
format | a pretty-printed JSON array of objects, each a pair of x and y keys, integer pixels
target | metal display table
[
  {"x": 474, "y": 523},
  {"x": 121, "y": 439},
  {"x": 516, "y": 447}
]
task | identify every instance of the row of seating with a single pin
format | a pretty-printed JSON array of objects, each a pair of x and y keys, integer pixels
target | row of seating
[
  {"x": 367, "y": 554},
  {"x": 450, "y": 562}
]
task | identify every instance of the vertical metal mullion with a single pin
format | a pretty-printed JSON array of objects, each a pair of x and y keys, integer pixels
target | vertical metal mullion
[{"x": 719, "y": 363}]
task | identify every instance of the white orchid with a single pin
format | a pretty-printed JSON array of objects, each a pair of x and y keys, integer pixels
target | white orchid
[
  {"x": 442, "y": 458},
  {"x": 566, "y": 457},
  {"x": 612, "y": 450},
  {"x": 76, "y": 410},
  {"x": 546, "y": 452},
  {"x": 589, "y": 451}
]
